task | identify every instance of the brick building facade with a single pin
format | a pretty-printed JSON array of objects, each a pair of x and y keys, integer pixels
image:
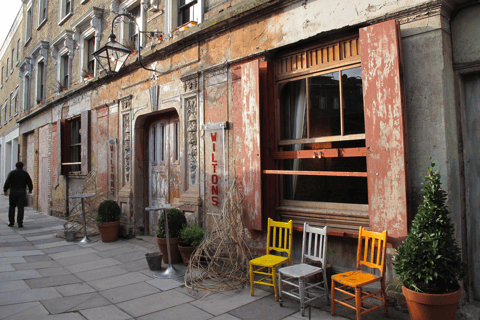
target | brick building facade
[{"x": 325, "y": 113}]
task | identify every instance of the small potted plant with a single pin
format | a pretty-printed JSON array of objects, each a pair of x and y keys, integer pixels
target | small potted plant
[
  {"x": 190, "y": 238},
  {"x": 428, "y": 262},
  {"x": 108, "y": 220},
  {"x": 176, "y": 221}
]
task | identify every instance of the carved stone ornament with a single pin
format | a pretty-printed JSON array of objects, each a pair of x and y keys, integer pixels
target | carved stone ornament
[
  {"x": 127, "y": 149},
  {"x": 126, "y": 103},
  {"x": 191, "y": 109},
  {"x": 190, "y": 82}
]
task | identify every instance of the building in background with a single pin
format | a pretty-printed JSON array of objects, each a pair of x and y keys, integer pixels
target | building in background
[
  {"x": 11, "y": 90},
  {"x": 324, "y": 113}
]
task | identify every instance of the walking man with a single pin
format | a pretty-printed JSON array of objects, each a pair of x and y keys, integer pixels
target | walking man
[{"x": 17, "y": 181}]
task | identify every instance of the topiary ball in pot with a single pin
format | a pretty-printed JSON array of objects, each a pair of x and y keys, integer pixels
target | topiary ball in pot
[
  {"x": 108, "y": 220},
  {"x": 176, "y": 221},
  {"x": 108, "y": 211}
]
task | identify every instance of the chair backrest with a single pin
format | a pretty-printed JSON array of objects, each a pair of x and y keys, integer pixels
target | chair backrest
[
  {"x": 280, "y": 236},
  {"x": 314, "y": 244},
  {"x": 371, "y": 249}
]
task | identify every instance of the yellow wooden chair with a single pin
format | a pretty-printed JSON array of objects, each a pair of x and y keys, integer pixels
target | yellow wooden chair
[
  {"x": 279, "y": 239},
  {"x": 372, "y": 256}
]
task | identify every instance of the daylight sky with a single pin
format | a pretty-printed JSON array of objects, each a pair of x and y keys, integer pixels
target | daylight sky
[{"x": 8, "y": 13}]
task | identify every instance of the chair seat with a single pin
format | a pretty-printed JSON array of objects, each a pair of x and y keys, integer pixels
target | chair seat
[
  {"x": 300, "y": 270},
  {"x": 355, "y": 278},
  {"x": 269, "y": 260}
]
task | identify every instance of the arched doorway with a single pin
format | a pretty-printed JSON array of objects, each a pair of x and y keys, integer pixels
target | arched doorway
[{"x": 163, "y": 171}]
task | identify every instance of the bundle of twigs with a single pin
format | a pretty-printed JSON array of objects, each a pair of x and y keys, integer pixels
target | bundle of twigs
[
  {"x": 74, "y": 220},
  {"x": 220, "y": 262}
]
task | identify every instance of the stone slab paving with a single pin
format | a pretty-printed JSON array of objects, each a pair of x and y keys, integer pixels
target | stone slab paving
[
  {"x": 46, "y": 278},
  {"x": 105, "y": 313}
]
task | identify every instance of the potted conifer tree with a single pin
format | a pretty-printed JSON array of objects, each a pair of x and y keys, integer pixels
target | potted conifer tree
[
  {"x": 428, "y": 262},
  {"x": 108, "y": 220},
  {"x": 176, "y": 221}
]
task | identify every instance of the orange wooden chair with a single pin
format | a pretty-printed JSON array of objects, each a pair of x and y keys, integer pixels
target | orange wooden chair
[
  {"x": 279, "y": 239},
  {"x": 372, "y": 256}
]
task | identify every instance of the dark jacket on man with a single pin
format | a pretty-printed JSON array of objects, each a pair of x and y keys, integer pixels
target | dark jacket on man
[{"x": 16, "y": 181}]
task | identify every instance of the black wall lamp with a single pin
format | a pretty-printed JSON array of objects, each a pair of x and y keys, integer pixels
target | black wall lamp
[{"x": 112, "y": 55}]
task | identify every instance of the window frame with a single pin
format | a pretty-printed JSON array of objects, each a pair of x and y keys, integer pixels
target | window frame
[
  {"x": 15, "y": 96},
  {"x": 12, "y": 61},
  {"x": 11, "y": 106},
  {"x": 5, "y": 110},
  {"x": 172, "y": 21},
  {"x": 82, "y": 121},
  {"x": 40, "y": 82},
  {"x": 28, "y": 24},
  {"x": 63, "y": 15},
  {"x": 6, "y": 69},
  {"x": 42, "y": 13},
  {"x": 65, "y": 71}
]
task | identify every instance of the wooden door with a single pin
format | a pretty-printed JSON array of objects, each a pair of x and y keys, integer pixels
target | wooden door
[
  {"x": 471, "y": 151},
  {"x": 164, "y": 161},
  {"x": 43, "y": 176}
]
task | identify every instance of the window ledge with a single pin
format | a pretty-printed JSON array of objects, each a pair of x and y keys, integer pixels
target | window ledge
[
  {"x": 61, "y": 22},
  {"x": 41, "y": 24},
  {"x": 83, "y": 1},
  {"x": 27, "y": 41}
]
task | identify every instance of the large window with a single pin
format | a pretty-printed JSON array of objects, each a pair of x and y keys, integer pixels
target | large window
[{"x": 324, "y": 113}]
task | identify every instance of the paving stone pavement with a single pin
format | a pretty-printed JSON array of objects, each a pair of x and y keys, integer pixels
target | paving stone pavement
[{"x": 46, "y": 278}]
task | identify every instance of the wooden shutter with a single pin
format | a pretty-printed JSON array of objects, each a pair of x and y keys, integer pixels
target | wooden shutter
[
  {"x": 246, "y": 135},
  {"x": 85, "y": 123},
  {"x": 267, "y": 139},
  {"x": 385, "y": 133}
]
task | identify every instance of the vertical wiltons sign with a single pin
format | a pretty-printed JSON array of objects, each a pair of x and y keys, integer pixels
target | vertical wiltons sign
[{"x": 215, "y": 182}]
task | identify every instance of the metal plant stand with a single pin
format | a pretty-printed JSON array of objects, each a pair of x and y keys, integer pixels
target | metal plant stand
[
  {"x": 82, "y": 196},
  {"x": 170, "y": 272}
]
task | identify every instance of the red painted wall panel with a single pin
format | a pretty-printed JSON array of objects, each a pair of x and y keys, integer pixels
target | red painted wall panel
[
  {"x": 385, "y": 129},
  {"x": 246, "y": 129}
]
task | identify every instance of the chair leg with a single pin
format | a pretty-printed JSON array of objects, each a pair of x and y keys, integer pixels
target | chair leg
[
  {"x": 301, "y": 292},
  {"x": 274, "y": 276},
  {"x": 358, "y": 301},
  {"x": 333, "y": 297},
  {"x": 325, "y": 284},
  {"x": 280, "y": 287},
  {"x": 384, "y": 295},
  {"x": 251, "y": 279}
]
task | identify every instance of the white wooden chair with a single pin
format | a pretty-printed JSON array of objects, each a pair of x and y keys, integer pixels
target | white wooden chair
[{"x": 313, "y": 248}]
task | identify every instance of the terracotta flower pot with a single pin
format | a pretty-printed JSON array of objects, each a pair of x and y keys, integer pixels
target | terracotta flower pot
[
  {"x": 108, "y": 231},
  {"x": 186, "y": 253},
  {"x": 162, "y": 245},
  {"x": 424, "y": 306}
]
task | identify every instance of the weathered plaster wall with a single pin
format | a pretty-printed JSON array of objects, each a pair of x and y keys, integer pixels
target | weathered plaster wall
[{"x": 466, "y": 34}]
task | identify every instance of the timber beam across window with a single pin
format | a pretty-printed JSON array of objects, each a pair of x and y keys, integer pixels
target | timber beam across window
[
  {"x": 351, "y": 137},
  {"x": 321, "y": 153},
  {"x": 317, "y": 173}
]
